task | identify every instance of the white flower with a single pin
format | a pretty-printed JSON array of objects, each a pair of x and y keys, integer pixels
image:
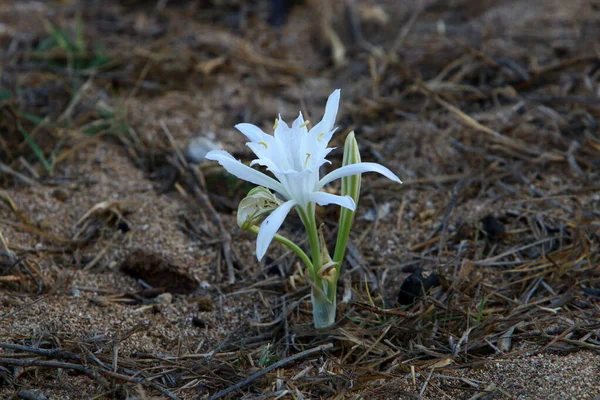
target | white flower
[{"x": 294, "y": 155}]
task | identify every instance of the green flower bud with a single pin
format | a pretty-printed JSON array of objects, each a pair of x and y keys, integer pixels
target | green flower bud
[
  {"x": 350, "y": 187},
  {"x": 351, "y": 184},
  {"x": 259, "y": 202}
]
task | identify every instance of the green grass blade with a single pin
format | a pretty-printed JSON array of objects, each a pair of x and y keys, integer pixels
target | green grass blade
[{"x": 35, "y": 148}]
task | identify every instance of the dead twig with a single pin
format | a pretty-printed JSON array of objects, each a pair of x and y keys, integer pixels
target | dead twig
[
  {"x": 8, "y": 170},
  {"x": 93, "y": 373},
  {"x": 280, "y": 364}
]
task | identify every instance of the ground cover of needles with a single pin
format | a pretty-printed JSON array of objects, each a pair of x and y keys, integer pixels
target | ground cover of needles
[{"x": 123, "y": 273}]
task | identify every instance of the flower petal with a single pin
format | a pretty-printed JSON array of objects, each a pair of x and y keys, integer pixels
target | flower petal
[
  {"x": 268, "y": 163},
  {"x": 291, "y": 141},
  {"x": 244, "y": 172},
  {"x": 331, "y": 110},
  {"x": 281, "y": 128},
  {"x": 324, "y": 129},
  {"x": 252, "y": 132},
  {"x": 299, "y": 123},
  {"x": 270, "y": 226},
  {"x": 262, "y": 152},
  {"x": 358, "y": 168},
  {"x": 323, "y": 198}
]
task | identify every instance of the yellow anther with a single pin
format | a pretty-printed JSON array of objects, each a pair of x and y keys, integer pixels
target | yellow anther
[
  {"x": 305, "y": 124},
  {"x": 320, "y": 137},
  {"x": 264, "y": 144},
  {"x": 306, "y": 161},
  {"x": 276, "y": 124}
]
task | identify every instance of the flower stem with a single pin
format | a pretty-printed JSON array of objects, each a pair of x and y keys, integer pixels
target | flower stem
[
  {"x": 290, "y": 245},
  {"x": 323, "y": 308},
  {"x": 313, "y": 235},
  {"x": 323, "y": 291},
  {"x": 308, "y": 219}
]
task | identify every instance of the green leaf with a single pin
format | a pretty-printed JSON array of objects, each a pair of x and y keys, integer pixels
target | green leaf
[
  {"x": 36, "y": 119},
  {"x": 35, "y": 148},
  {"x": 350, "y": 187},
  {"x": 79, "y": 44},
  {"x": 47, "y": 44}
]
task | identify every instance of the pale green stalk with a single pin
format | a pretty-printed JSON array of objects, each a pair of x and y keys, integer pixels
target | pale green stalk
[
  {"x": 289, "y": 244},
  {"x": 350, "y": 187},
  {"x": 324, "y": 289}
]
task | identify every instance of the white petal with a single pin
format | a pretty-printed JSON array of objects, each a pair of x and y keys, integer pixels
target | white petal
[
  {"x": 270, "y": 226},
  {"x": 292, "y": 145},
  {"x": 331, "y": 109},
  {"x": 322, "y": 199},
  {"x": 358, "y": 168},
  {"x": 259, "y": 150},
  {"x": 244, "y": 172},
  {"x": 270, "y": 164},
  {"x": 252, "y": 132},
  {"x": 320, "y": 154},
  {"x": 282, "y": 128},
  {"x": 325, "y": 127},
  {"x": 298, "y": 122}
]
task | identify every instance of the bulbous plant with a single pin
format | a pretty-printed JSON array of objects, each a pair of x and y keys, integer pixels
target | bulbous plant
[{"x": 294, "y": 155}]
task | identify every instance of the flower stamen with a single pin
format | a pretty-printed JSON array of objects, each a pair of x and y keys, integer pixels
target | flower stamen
[
  {"x": 276, "y": 124},
  {"x": 305, "y": 124},
  {"x": 264, "y": 144},
  {"x": 306, "y": 161},
  {"x": 320, "y": 137}
]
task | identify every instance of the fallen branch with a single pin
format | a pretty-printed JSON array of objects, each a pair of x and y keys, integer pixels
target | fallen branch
[
  {"x": 90, "y": 372},
  {"x": 280, "y": 364}
]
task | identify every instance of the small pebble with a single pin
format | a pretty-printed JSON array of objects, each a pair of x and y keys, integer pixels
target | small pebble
[
  {"x": 198, "y": 148},
  {"x": 164, "y": 298},
  {"x": 60, "y": 194}
]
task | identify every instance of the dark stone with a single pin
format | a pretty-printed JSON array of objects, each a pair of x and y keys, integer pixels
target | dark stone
[
  {"x": 199, "y": 323},
  {"x": 493, "y": 228},
  {"x": 279, "y": 11},
  {"x": 416, "y": 285},
  {"x": 123, "y": 226}
]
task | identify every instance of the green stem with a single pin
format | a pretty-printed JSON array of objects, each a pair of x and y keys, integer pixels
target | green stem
[
  {"x": 323, "y": 308},
  {"x": 323, "y": 292},
  {"x": 350, "y": 187},
  {"x": 315, "y": 247},
  {"x": 347, "y": 220},
  {"x": 308, "y": 219},
  {"x": 290, "y": 245}
]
